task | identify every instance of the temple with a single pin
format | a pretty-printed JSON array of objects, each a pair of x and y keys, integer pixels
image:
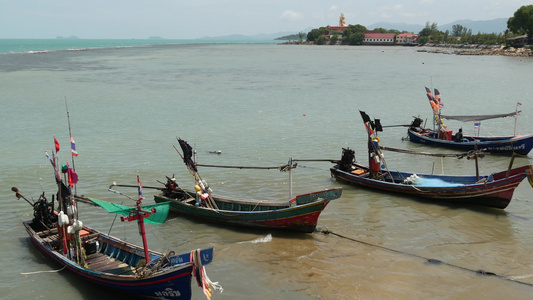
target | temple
[{"x": 342, "y": 25}]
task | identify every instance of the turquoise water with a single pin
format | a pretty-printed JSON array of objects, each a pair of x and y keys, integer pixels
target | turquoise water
[
  {"x": 46, "y": 45},
  {"x": 260, "y": 104}
]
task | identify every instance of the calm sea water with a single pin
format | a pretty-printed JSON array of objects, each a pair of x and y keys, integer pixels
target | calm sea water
[{"x": 260, "y": 104}]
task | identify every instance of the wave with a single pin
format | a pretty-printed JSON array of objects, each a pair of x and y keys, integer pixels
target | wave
[{"x": 265, "y": 239}]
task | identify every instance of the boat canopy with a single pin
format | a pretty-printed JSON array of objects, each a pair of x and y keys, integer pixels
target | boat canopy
[
  {"x": 469, "y": 118},
  {"x": 156, "y": 218}
]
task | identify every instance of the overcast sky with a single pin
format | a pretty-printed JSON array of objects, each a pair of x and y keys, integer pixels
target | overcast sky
[{"x": 178, "y": 19}]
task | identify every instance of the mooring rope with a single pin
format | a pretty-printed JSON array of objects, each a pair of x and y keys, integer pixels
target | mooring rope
[
  {"x": 434, "y": 261},
  {"x": 38, "y": 272}
]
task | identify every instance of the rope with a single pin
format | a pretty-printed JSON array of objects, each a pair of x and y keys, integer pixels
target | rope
[
  {"x": 457, "y": 155},
  {"x": 434, "y": 261},
  {"x": 328, "y": 160},
  {"x": 238, "y": 167},
  {"x": 38, "y": 272}
]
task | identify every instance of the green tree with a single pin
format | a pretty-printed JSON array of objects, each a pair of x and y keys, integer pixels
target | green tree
[
  {"x": 459, "y": 30},
  {"x": 432, "y": 33},
  {"x": 522, "y": 21},
  {"x": 321, "y": 40},
  {"x": 314, "y": 34},
  {"x": 353, "y": 35},
  {"x": 301, "y": 36},
  {"x": 334, "y": 38}
]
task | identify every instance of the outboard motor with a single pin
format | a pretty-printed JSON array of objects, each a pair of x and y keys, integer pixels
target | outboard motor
[
  {"x": 416, "y": 122},
  {"x": 43, "y": 213},
  {"x": 347, "y": 159}
]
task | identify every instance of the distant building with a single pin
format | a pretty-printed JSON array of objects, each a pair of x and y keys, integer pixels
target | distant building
[
  {"x": 406, "y": 39},
  {"x": 342, "y": 26},
  {"x": 378, "y": 38},
  {"x": 518, "y": 41}
]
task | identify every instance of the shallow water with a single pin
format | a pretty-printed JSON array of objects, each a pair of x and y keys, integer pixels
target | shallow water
[{"x": 260, "y": 104}]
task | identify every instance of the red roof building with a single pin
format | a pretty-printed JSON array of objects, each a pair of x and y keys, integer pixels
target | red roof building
[
  {"x": 378, "y": 38},
  {"x": 406, "y": 39}
]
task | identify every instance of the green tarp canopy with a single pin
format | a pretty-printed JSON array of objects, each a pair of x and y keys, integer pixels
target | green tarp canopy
[{"x": 157, "y": 218}]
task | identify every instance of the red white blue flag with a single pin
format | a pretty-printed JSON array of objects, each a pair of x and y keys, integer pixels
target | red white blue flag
[
  {"x": 477, "y": 124},
  {"x": 140, "y": 188},
  {"x": 73, "y": 147}
]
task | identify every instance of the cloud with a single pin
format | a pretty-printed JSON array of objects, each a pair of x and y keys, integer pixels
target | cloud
[
  {"x": 333, "y": 8},
  {"x": 290, "y": 15}
]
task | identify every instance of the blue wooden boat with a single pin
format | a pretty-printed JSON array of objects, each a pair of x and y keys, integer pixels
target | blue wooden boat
[
  {"x": 444, "y": 137},
  {"x": 57, "y": 232},
  {"x": 111, "y": 262},
  {"x": 521, "y": 144},
  {"x": 492, "y": 190}
]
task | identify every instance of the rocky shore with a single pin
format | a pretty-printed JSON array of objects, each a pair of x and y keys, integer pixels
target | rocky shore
[{"x": 477, "y": 50}]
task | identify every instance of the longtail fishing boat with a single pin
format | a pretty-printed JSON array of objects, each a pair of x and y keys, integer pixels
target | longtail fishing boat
[
  {"x": 108, "y": 261},
  {"x": 298, "y": 213},
  {"x": 444, "y": 137},
  {"x": 492, "y": 190}
]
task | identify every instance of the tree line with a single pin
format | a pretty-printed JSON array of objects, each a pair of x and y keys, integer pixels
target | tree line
[{"x": 520, "y": 24}]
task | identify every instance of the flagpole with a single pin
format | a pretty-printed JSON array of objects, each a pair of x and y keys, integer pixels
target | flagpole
[{"x": 70, "y": 135}]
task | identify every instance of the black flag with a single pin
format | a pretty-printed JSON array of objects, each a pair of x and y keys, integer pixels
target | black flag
[
  {"x": 187, "y": 155},
  {"x": 365, "y": 117}
]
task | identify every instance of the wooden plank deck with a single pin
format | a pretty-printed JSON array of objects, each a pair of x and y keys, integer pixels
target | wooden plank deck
[{"x": 103, "y": 263}]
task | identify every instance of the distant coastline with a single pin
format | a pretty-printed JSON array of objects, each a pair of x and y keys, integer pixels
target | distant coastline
[
  {"x": 458, "y": 49},
  {"x": 498, "y": 50}
]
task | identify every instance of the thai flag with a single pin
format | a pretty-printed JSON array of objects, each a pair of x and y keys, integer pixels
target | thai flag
[
  {"x": 477, "y": 125},
  {"x": 140, "y": 188},
  {"x": 73, "y": 147},
  {"x": 519, "y": 104}
]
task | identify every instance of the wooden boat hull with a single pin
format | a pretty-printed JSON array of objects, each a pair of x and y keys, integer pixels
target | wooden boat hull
[
  {"x": 495, "y": 190},
  {"x": 169, "y": 283},
  {"x": 521, "y": 145},
  {"x": 301, "y": 216}
]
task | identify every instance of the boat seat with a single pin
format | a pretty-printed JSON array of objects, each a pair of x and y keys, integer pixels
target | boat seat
[
  {"x": 360, "y": 173},
  {"x": 482, "y": 180},
  {"x": 189, "y": 201}
]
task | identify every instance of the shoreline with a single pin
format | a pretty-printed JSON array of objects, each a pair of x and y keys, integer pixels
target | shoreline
[
  {"x": 457, "y": 49},
  {"x": 498, "y": 50}
]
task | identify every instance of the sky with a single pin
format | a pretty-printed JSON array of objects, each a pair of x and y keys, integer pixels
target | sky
[{"x": 178, "y": 19}]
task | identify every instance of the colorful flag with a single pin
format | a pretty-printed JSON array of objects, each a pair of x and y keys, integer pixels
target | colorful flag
[
  {"x": 437, "y": 97},
  {"x": 477, "y": 125},
  {"x": 369, "y": 129},
  {"x": 73, "y": 147},
  {"x": 53, "y": 165},
  {"x": 140, "y": 188},
  {"x": 72, "y": 176},
  {"x": 518, "y": 104},
  {"x": 434, "y": 103},
  {"x": 429, "y": 94},
  {"x": 56, "y": 144}
]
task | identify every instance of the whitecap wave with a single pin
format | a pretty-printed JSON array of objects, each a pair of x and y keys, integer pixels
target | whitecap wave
[{"x": 265, "y": 239}]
